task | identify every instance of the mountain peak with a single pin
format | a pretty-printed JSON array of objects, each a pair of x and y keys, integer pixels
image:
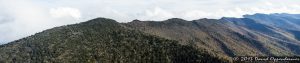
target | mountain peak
[
  {"x": 256, "y": 14},
  {"x": 101, "y": 21},
  {"x": 135, "y": 20},
  {"x": 175, "y": 19}
]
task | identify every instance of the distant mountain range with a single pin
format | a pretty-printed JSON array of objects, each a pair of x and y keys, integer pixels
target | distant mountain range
[{"x": 170, "y": 41}]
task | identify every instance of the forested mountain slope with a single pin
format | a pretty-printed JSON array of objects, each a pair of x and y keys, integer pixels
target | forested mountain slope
[
  {"x": 99, "y": 40},
  {"x": 168, "y": 41},
  {"x": 226, "y": 36}
]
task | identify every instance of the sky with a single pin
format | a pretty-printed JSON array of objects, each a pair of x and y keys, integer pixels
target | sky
[{"x": 21, "y": 18}]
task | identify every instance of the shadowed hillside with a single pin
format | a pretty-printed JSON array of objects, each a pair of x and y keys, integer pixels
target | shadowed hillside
[{"x": 225, "y": 37}]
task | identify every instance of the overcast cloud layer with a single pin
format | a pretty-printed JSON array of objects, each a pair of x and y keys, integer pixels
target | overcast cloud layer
[{"x": 21, "y": 18}]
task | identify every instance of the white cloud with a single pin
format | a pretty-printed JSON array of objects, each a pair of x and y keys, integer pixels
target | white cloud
[
  {"x": 157, "y": 14},
  {"x": 195, "y": 14},
  {"x": 21, "y": 18},
  {"x": 26, "y": 19},
  {"x": 61, "y": 12}
]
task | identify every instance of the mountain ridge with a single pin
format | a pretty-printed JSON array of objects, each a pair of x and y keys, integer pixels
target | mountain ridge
[
  {"x": 99, "y": 40},
  {"x": 171, "y": 40},
  {"x": 249, "y": 30}
]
